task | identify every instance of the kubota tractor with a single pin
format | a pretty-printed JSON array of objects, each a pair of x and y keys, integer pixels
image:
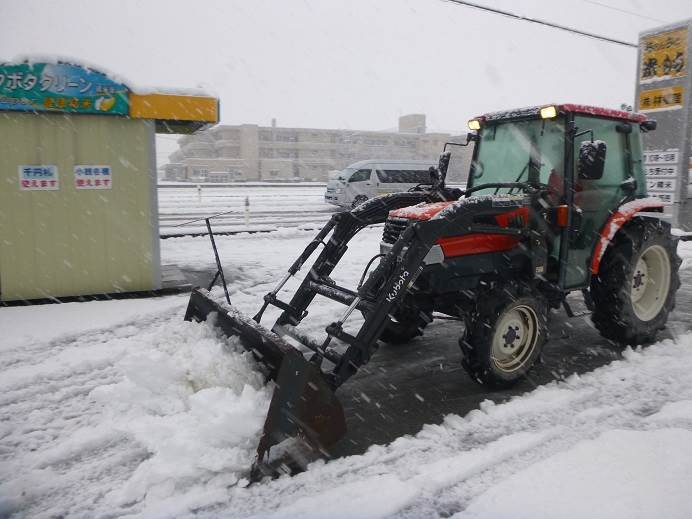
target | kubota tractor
[{"x": 555, "y": 203}]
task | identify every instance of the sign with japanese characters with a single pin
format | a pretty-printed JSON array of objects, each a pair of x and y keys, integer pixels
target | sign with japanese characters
[
  {"x": 661, "y": 184},
  {"x": 664, "y": 170},
  {"x": 92, "y": 177},
  {"x": 60, "y": 87},
  {"x": 663, "y": 85},
  {"x": 661, "y": 170},
  {"x": 39, "y": 178},
  {"x": 663, "y": 56},
  {"x": 666, "y": 198},
  {"x": 661, "y": 156},
  {"x": 670, "y": 98}
]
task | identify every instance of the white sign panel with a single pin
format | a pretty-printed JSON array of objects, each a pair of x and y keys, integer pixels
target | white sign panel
[
  {"x": 666, "y": 198},
  {"x": 663, "y": 170},
  {"x": 661, "y": 156},
  {"x": 92, "y": 177},
  {"x": 661, "y": 184},
  {"x": 39, "y": 178}
]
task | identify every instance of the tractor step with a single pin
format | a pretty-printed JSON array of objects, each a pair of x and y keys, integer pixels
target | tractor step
[{"x": 570, "y": 313}]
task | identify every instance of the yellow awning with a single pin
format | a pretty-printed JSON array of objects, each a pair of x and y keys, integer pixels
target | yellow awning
[{"x": 175, "y": 113}]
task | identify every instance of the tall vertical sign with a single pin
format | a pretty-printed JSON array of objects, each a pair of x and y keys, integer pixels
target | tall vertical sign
[{"x": 664, "y": 86}]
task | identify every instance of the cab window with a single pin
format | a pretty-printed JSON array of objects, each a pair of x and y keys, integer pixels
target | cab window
[
  {"x": 360, "y": 176},
  {"x": 396, "y": 176}
]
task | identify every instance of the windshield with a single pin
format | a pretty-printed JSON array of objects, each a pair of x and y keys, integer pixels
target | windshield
[
  {"x": 519, "y": 151},
  {"x": 341, "y": 175}
]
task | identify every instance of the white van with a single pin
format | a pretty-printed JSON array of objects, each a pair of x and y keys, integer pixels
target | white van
[{"x": 369, "y": 178}]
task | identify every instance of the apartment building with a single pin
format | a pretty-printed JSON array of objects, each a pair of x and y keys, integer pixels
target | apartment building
[{"x": 271, "y": 153}]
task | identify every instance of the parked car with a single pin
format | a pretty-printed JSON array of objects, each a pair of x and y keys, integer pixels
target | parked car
[{"x": 366, "y": 179}]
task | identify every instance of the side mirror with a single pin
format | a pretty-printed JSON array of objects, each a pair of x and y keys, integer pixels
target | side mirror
[
  {"x": 443, "y": 164},
  {"x": 434, "y": 176},
  {"x": 648, "y": 126},
  {"x": 591, "y": 159},
  {"x": 439, "y": 174}
]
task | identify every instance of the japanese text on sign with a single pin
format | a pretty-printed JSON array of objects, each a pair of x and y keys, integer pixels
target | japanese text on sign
[
  {"x": 61, "y": 87},
  {"x": 38, "y": 178},
  {"x": 661, "y": 156},
  {"x": 92, "y": 177},
  {"x": 661, "y": 171},
  {"x": 670, "y": 98},
  {"x": 663, "y": 56},
  {"x": 666, "y": 198},
  {"x": 661, "y": 184}
]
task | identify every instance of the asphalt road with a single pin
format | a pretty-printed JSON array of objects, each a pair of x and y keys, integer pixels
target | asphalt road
[{"x": 406, "y": 386}]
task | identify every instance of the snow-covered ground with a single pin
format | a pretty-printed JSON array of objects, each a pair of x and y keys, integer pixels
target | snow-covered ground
[{"x": 120, "y": 408}]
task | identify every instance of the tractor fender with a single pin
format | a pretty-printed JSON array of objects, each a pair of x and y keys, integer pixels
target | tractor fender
[{"x": 620, "y": 217}]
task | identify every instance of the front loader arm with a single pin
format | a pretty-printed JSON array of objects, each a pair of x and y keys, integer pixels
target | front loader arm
[{"x": 346, "y": 226}]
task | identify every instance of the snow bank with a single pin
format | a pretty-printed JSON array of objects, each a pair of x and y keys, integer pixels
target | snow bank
[
  {"x": 633, "y": 474},
  {"x": 154, "y": 418},
  {"x": 197, "y": 403},
  {"x": 23, "y": 326}
]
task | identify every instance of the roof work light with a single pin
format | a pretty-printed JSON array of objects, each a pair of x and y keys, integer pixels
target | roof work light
[
  {"x": 474, "y": 124},
  {"x": 548, "y": 112}
]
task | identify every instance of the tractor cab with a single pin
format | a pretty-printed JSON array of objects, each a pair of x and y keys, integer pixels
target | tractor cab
[{"x": 572, "y": 164}]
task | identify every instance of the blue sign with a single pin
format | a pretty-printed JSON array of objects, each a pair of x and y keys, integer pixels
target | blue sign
[{"x": 60, "y": 87}]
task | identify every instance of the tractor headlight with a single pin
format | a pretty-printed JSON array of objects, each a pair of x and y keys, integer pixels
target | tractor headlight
[
  {"x": 474, "y": 124},
  {"x": 548, "y": 112}
]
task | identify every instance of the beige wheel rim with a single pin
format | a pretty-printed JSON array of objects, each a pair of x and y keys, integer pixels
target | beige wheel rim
[
  {"x": 650, "y": 283},
  {"x": 515, "y": 338}
]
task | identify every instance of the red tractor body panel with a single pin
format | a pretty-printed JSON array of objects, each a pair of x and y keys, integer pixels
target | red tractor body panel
[{"x": 454, "y": 247}]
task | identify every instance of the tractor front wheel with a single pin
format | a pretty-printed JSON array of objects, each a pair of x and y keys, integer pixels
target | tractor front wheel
[
  {"x": 634, "y": 290},
  {"x": 505, "y": 336}
]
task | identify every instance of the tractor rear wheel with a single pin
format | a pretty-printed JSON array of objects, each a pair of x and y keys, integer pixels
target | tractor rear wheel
[
  {"x": 505, "y": 335},
  {"x": 634, "y": 290}
]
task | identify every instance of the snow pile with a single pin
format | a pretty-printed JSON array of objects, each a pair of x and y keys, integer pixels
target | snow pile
[
  {"x": 146, "y": 416},
  {"x": 197, "y": 403}
]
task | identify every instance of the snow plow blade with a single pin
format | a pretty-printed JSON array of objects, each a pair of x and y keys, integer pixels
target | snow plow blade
[
  {"x": 303, "y": 404},
  {"x": 267, "y": 348}
]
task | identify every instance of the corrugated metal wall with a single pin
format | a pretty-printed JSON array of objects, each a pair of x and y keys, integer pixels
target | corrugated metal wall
[{"x": 75, "y": 242}]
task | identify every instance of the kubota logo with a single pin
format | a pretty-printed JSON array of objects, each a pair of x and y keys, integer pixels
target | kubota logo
[{"x": 400, "y": 282}]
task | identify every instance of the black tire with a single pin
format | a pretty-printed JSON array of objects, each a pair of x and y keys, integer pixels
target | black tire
[
  {"x": 409, "y": 323},
  {"x": 492, "y": 355},
  {"x": 622, "y": 283},
  {"x": 358, "y": 200}
]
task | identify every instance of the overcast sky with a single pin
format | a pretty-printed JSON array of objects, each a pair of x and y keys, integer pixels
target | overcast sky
[{"x": 355, "y": 64}]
